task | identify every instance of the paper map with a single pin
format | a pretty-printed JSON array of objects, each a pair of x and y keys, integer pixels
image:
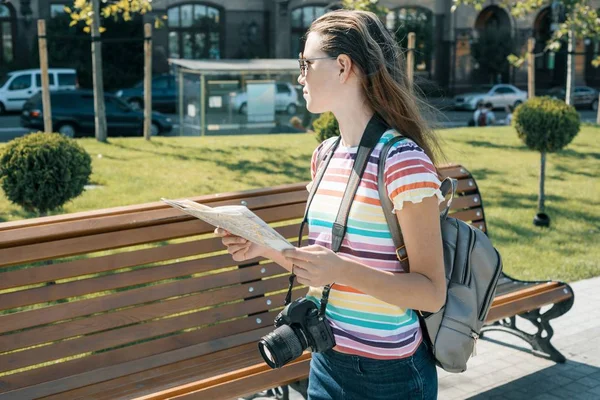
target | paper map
[{"x": 237, "y": 220}]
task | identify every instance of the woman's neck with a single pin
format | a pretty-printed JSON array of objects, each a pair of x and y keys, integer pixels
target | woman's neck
[{"x": 352, "y": 122}]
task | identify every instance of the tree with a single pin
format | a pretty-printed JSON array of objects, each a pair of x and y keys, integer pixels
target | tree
[
  {"x": 366, "y": 5},
  {"x": 581, "y": 21},
  {"x": 546, "y": 125},
  {"x": 90, "y": 13}
]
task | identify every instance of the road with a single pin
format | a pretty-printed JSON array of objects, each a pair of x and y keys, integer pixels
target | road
[{"x": 10, "y": 127}]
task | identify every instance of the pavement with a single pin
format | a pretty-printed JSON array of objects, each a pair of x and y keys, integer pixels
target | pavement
[{"x": 505, "y": 368}]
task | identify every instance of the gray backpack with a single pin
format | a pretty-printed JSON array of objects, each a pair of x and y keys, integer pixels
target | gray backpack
[{"x": 473, "y": 267}]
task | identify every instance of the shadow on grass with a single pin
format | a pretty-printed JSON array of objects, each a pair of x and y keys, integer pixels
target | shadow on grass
[
  {"x": 567, "y": 170},
  {"x": 18, "y": 213},
  {"x": 490, "y": 145},
  {"x": 577, "y": 154},
  {"x": 294, "y": 167},
  {"x": 484, "y": 173}
]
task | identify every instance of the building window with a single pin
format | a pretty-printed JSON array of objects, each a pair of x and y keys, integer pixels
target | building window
[
  {"x": 195, "y": 32},
  {"x": 7, "y": 54},
  {"x": 301, "y": 19},
  {"x": 57, "y": 9},
  {"x": 401, "y": 21}
]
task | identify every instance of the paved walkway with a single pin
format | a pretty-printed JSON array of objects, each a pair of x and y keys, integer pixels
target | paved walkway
[{"x": 504, "y": 367}]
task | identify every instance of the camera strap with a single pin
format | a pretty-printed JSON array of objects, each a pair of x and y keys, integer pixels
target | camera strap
[{"x": 373, "y": 132}]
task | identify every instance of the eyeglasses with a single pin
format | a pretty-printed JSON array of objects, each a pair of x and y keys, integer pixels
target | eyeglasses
[{"x": 304, "y": 66}]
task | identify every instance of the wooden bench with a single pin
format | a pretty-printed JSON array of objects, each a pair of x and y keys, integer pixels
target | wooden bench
[{"x": 143, "y": 302}]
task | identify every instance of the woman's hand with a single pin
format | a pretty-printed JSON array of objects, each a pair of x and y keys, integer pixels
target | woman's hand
[
  {"x": 316, "y": 265},
  {"x": 240, "y": 249}
]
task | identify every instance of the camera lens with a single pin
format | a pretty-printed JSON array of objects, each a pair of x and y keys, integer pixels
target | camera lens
[{"x": 280, "y": 346}]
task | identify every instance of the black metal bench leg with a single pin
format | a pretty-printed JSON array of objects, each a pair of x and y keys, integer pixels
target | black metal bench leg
[{"x": 540, "y": 341}]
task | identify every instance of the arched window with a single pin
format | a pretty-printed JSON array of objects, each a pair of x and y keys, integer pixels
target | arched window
[
  {"x": 302, "y": 17},
  {"x": 195, "y": 31},
  {"x": 403, "y": 20},
  {"x": 7, "y": 28}
]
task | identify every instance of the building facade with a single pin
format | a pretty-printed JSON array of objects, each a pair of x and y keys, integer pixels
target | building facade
[{"x": 457, "y": 47}]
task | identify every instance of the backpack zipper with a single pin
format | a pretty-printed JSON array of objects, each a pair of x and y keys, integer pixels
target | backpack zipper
[
  {"x": 467, "y": 271},
  {"x": 475, "y": 336},
  {"x": 491, "y": 287}
]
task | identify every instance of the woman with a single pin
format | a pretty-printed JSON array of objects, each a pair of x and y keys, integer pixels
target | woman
[{"x": 352, "y": 67}]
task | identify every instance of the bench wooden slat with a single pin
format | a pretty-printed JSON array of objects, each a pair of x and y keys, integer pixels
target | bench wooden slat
[
  {"x": 139, "y": 314},
  {"x": 113, "y": 223},
  {"x": 209, "y": 199},
  {"x": 167, "y": 376},
  {"x": 148, "y": 330},
  {"x": 250, "y": 380},
  {"x": 128, "y": 298},
  {"x": 528, "y": 303},
  {"x": 132, "y": 237},
  {"x": 468, "y": 215},
  {"x": 465, "y": 185},
  {"x": 112, "y": 282},
  {"x": 103, "y": 241},
  {"x": 72, "y": 269},
  {"x": 453, "y": 171},
  {"x": 469, "y": 201},
  {"x": 102, "y": 367},
  {"x": 479, "y": 225},
  {"x": 524, "y": 292}
]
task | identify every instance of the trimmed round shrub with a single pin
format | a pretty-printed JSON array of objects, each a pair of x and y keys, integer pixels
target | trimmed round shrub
[
  {"x": 545, "y": 124},
  {"x": 41, "y": 172},
  {"x": 326, "y": 126}
]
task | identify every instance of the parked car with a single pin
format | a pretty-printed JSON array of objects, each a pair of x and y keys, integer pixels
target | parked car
[
  {"x": 164, "y": 93},
  {"x": 73, "y": 115},
  {"x": 18, "y": 86},
  {"x": 500, "y": 96},
  {"x": 286, "y": 99},
  {"x": 583, "y": 96}
]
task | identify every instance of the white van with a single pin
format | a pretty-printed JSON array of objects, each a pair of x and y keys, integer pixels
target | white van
[{"x": 18, "y": 86}]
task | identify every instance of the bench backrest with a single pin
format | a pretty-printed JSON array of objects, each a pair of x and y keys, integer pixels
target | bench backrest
[{"x": 92, "y": 296}]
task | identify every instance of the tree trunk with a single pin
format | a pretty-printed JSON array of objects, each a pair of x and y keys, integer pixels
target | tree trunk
[
  {"x": 100, "y": 119},
  {"x": 147, "y": 80},
  {"x": 598, "y": 112},
  {"x": 570, "y": 69},
  {"x": 542, "y": 196}
]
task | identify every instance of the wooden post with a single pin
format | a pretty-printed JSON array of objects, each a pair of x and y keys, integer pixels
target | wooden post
[
  {"x": 98, "y": 81},
  {"x": 181, "y": 103},
  {"x": 531, "y": 67},
  {"x": 47, "y": 109},
  {"x": 410, "y": 58},
  {"x": 147, "y": 81},
  {"x": 570, "y": 68},
  {"x": 203, "y": 103}
]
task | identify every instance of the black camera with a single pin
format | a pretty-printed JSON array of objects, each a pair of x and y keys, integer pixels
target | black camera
[{"x": 298, "y": 326}]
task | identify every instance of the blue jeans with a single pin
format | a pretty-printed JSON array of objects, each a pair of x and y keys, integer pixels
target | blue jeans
[{"x": 335, "y": 375}]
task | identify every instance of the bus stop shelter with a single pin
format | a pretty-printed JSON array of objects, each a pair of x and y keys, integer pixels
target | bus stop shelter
[{"x": 237, "y": 96}]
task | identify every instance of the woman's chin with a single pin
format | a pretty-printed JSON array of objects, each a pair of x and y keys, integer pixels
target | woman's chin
[{"x": 313, "y": 109}]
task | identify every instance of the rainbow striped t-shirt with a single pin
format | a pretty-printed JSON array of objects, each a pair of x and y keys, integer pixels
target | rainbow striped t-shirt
[{"x": 362, "y": 324}]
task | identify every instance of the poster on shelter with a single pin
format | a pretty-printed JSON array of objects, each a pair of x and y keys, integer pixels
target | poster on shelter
[{"x": 261, "y": 101}]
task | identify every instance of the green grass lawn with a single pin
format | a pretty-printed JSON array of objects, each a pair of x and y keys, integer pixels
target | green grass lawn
[{"x": 132, "y": 171}]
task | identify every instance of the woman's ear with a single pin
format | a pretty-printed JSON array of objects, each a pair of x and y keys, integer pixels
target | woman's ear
[{"x": 345, "y": 66}]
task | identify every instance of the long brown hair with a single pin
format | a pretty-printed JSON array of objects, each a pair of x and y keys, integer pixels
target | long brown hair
[{"x": 362, "y": 36}]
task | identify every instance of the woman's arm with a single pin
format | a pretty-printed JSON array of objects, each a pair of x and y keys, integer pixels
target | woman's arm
[{"x": 424, "y": 288}]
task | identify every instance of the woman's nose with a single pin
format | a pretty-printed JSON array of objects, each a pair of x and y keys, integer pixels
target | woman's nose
[{"x": 301, "y": 79}]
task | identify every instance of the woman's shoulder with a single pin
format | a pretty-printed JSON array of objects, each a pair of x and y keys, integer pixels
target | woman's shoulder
[{"x": 405, "y": 147}]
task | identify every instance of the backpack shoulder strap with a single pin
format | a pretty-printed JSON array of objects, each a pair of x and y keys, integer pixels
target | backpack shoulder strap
[
  {"x": 448, "y": 185},
  {"x": 388, "y": 207}
]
